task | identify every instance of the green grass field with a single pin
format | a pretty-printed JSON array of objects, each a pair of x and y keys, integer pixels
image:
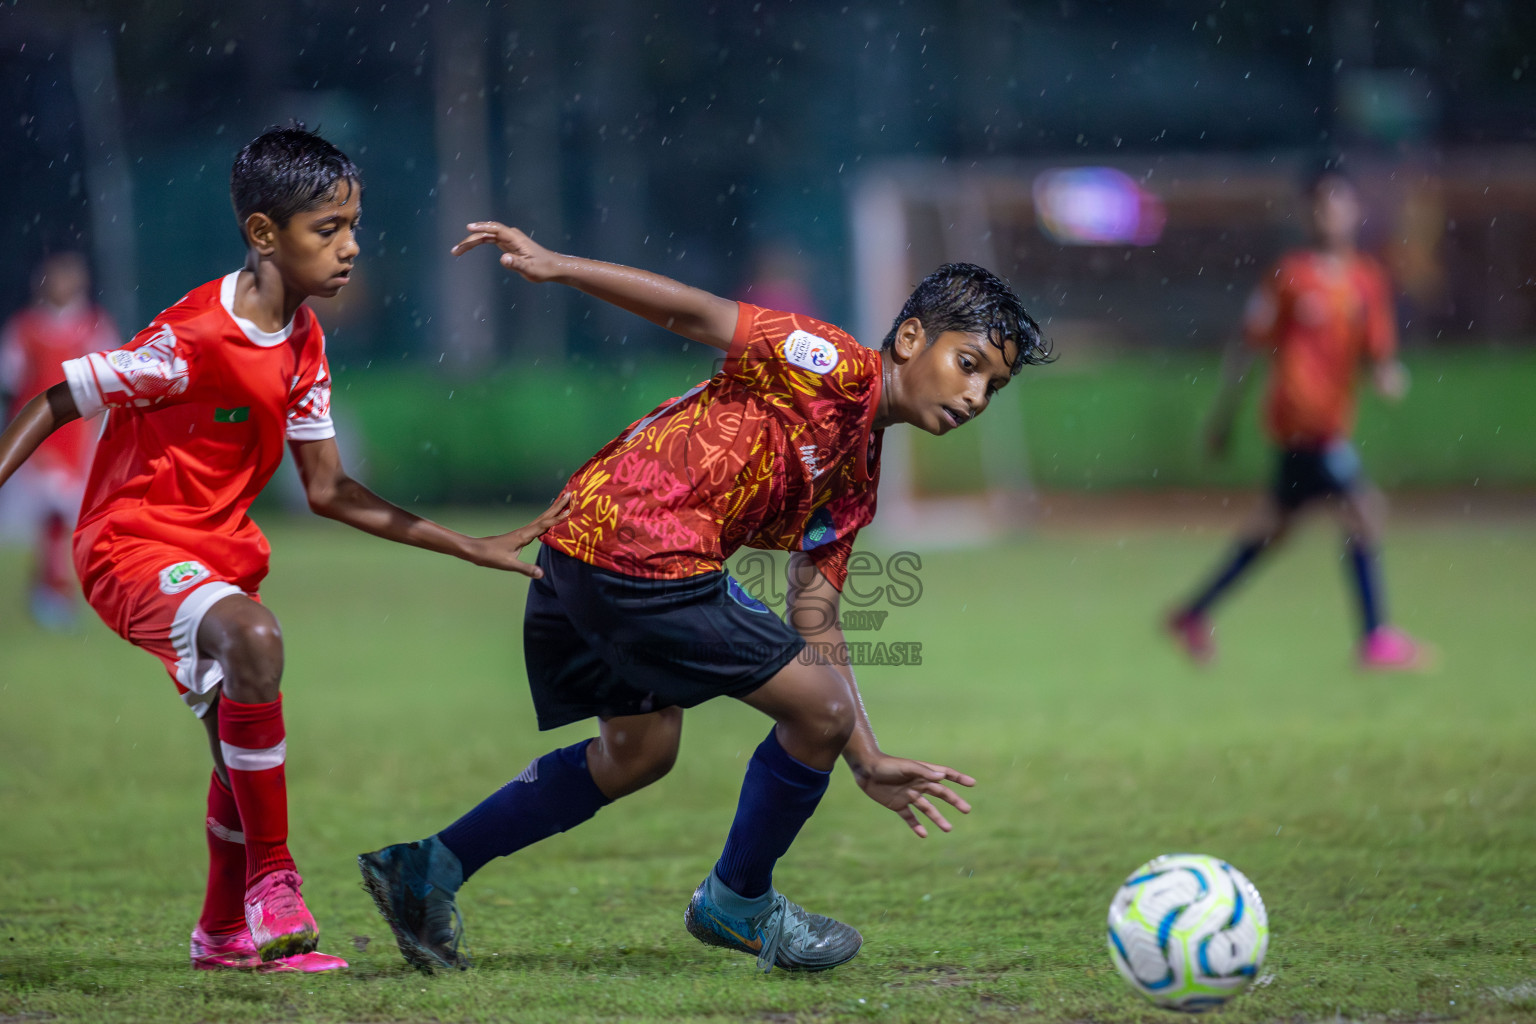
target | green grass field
[{"x": 1390, "y": 822}]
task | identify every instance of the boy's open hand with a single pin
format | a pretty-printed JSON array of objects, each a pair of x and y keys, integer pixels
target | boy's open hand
[
  {"x": 903, "y": 784},
  {"x": 518, "y": 251},
  {"x": 501, "y": 552}
]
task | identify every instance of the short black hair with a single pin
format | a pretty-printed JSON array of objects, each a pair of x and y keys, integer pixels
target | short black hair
[
  {"x": 966, "y": 297},
  {"x": 1324, "y": 167},
  {"x": 285, "y": 171}
]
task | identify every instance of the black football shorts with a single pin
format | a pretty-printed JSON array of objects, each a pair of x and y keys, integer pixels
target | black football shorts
[
  {"x": 606, "y": 644},
  {"x": 1306, "y": 474}
]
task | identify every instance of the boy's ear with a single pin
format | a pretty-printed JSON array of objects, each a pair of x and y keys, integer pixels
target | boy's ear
[
  {"x": 910, "y": 337},
  {"x": 261, "y": 231}
]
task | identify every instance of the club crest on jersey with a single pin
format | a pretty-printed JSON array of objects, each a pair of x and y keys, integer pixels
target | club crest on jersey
[
  {"x": 809, "y": 352},
  {"x": 176, "y": 578}
]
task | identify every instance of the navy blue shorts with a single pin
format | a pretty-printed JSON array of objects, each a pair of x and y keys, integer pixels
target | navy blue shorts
[
  {"x": 1306, "y": 474},
  {"x": 605, "y": 644}
]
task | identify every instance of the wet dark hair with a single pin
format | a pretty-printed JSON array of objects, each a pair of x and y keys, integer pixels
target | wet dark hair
[
  {"x": 1324, "y": 167},
  {"x": 972, "y": 299},
  {"x": 285, "y": 171}
]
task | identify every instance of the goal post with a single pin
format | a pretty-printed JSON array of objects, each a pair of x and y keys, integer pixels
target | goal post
[{"x": 905, "y": 222}]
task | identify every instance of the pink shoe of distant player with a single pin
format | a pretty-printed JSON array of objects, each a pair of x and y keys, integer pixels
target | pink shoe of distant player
[
  {"x": 1193, "y": 632},
  {"x": 281, "y": 926},
  {"x": 1391, "y": 650},
  {"x": 304, "y": 963},
  {"x": 224, "y": 952}
]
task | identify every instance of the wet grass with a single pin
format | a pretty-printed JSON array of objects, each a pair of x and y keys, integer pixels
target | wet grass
[{"x": 1390, "y": 822}]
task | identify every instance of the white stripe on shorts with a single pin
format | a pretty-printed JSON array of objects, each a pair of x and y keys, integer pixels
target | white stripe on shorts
[
  {"x": 201, "y": 676},
  {"x": 244, "y": 759}
]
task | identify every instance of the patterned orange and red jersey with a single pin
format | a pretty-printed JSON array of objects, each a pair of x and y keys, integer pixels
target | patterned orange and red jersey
[
  {"x": 776, "y": 451},
  {"x": 33, "y": 345},
  {"x": 198, "y": 406},
  {"x": 1318, "y": 316}
]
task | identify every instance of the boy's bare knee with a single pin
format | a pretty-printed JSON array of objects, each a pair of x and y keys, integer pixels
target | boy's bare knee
[
  {"x": 824, "y": 725},
  {"x": 633, "y": 758},
  {"x": 248, "y": 645}
]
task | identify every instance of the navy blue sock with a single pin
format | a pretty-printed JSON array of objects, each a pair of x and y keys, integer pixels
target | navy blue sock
[
  {"x": 554, "y": 793},
  {"x": 1241, "y": 559},
  {"x": 777, "y": 797},
  {"x": 1367, "y": 583}
]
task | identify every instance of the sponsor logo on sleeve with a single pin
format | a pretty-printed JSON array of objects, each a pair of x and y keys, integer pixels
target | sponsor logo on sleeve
[
  {"x": 153, "y": 371},
  {"x": 809, "y": 352},
  {"x": 819, "y": 530},
  {"x": 182, "y": 576}
]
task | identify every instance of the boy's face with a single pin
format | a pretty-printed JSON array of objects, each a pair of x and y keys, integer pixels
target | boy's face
[
  {"x": 1335, "y": 212},
  {"x": 949, "y": 382},
  {"x": 315, "y": 250},
  {"x": 64, "y": 280}
]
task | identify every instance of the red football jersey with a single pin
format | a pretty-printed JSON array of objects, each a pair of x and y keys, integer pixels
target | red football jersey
[
  {"x": 776, "y": 451},
  {"x": 1319, "y": 316},
  {"x": 198, "y": 406},
  {"x": 33, "y": 345}
]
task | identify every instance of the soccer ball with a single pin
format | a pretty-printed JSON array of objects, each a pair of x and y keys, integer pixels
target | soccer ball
[{"x": 1188, "y": 931}]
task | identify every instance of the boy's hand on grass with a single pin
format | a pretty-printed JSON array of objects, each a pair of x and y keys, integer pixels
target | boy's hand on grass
[
  {"x": 902, "y": 784},
  {"x": 501, "y": 552},
  {"x": 518, "y": 251}
]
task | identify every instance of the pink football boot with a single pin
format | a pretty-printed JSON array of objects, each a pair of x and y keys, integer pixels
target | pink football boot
[
  {"x": 304, "y": 963},
  {"x": 281, "y": 926},
  {"x": 224, "y": 952},
  {"x": 1385, "y": 649},
  {"x": 1193, "y": 632}
]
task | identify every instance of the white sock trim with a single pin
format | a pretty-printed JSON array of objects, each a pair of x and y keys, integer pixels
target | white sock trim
[{"x": 245, "y": 759}]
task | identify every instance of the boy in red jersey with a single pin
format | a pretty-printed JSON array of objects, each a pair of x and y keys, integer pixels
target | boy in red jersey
[
  {"x": 635, "y": 619},
  {"x": 198, "y": 406},
  {"x": 62, "y": 323},
  {"x": 1323, "y": 312}
]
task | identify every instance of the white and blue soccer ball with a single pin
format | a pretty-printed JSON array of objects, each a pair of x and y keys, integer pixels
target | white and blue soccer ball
[{"x": 1188, "y": 931}]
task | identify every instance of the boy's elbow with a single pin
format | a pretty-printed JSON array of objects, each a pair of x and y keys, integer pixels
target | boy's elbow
[{"x": 323, "y": 498}]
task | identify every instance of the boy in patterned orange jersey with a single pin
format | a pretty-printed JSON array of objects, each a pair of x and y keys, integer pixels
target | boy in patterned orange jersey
[
  {"x": 197, "y": 409},
  {"x": 635, "y": 619},
  {"x": 1321, "y": 314}
]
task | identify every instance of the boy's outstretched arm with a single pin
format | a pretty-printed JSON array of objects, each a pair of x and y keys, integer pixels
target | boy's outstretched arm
[
  {"x": 899, "y": 783},
  {"x": 38, "y": 418},
  {"x": 335, "y": 495},
  {"x": 692, "y": 312}
]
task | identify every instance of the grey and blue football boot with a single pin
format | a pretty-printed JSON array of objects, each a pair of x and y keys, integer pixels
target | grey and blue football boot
[
  {"x": 779, "y": 933},
  {"x": 414, "y": 885}
]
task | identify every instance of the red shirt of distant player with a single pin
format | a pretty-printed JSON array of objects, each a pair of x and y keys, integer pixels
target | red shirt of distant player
[
  {"x": 35, "y": 342},
  {"x": 198, "y": 406},
  {"x": 776, "y": 451},
  {"x": 1318, "y": 316}
]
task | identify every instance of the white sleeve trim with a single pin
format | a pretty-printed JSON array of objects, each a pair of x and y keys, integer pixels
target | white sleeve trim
[
  {"x": 311, "y": 430},
  {"x": 81, "y": 375}
]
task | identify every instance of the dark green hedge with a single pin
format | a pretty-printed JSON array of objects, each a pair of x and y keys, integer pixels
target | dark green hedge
[{"x": 1128, "y": 422}]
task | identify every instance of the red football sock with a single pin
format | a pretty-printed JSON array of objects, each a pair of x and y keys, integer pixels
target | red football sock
[
  {"x": 251, "y": 737},
  {"x": 223, "y": 904}
]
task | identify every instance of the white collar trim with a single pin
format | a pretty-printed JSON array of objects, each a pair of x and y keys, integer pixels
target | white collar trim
[{"x": 257, "y": 336}]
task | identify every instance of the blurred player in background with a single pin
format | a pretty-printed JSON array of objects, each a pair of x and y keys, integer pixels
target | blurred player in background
[
  {"x": 197, "y": 409},
  {"x": 1323, "y": 312},
  {"x": 635, "y": 619},
  {"x": 62, "y": 323}
]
